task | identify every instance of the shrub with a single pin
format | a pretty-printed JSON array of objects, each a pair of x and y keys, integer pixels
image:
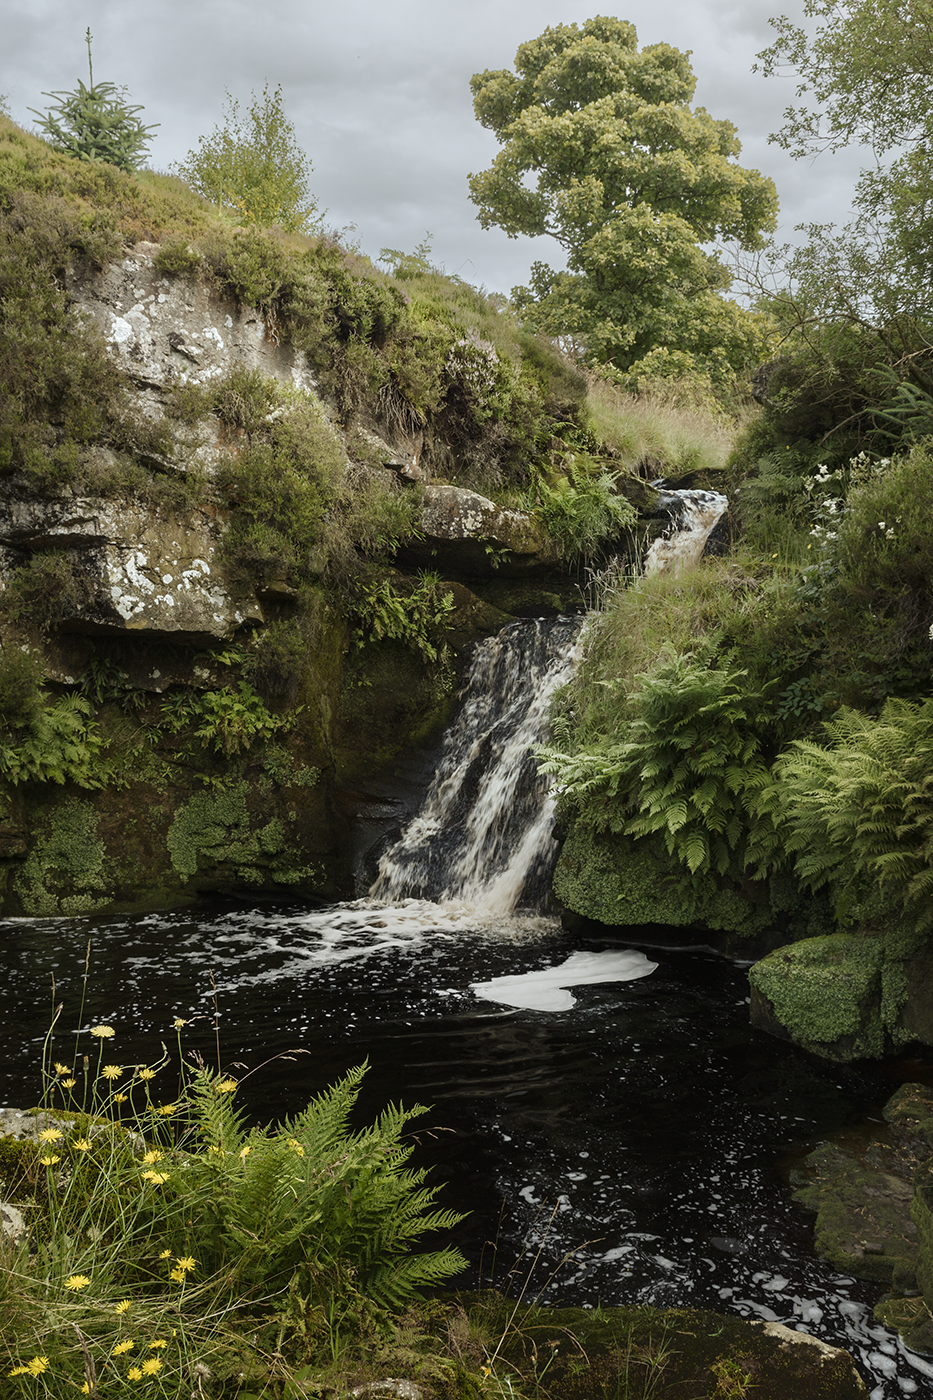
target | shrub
[
  {"x": 253, "y": 167},
  {"x": 583, "y": 512},
  {"x": 157, "y": 1230}
]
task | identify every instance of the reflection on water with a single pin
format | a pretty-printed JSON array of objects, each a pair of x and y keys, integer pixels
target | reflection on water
[{"x": 639, "y": 1130}]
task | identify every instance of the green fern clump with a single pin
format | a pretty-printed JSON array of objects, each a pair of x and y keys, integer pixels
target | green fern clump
[
  {"x": 311, "y": 1201},
  {"x": 857, "y": 816},
  {"x": 688, "y": 760}
]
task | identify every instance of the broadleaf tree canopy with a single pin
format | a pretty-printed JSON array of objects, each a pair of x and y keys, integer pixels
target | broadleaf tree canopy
[{"x": 601, "y": 151}]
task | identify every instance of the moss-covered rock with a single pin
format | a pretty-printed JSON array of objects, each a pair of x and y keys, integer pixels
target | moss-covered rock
[
  {"x": 680, "y": 1353},
  {"x": 863, "y": 1223},
  {"x": 621, "y": 881},
  {"x": 848, "y": 996},
  {"x": 824, "y": 994}
]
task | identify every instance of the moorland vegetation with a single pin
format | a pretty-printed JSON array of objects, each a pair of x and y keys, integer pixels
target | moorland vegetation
[{"x": 759, "y": 730}]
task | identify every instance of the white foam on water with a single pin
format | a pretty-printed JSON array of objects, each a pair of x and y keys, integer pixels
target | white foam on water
[{"x": 547, "y": 989}]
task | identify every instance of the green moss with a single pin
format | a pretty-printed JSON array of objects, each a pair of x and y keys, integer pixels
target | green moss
[
  {"x": 214, "y": 831},
  {"x": 825, "y": 991},
  {"x": 64, "y": 872},
  {"x": 619, "y": 880}
]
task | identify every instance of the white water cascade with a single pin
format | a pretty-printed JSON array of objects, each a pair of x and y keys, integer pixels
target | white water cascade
[
  {"x": 483, "y": 837},
  {"x": 693, "y": 517}
]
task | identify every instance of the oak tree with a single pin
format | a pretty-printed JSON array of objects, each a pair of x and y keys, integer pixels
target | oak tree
[{"x": 602, "y": 152}]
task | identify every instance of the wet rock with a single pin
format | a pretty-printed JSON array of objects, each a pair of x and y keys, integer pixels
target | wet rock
[
  {"x": 680, "y": 1353},
  {"x": 863, "y": 1224},
  {"x": 474, "y": 535}
]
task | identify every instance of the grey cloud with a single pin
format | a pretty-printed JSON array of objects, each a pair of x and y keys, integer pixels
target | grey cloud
[{"x": 379, "y": 94}]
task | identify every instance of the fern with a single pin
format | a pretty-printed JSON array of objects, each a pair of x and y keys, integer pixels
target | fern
[
  {"x": 312, "y": 1199},
  {"x": 857, "y": 816},
  {"x": 685, "y": 769}
]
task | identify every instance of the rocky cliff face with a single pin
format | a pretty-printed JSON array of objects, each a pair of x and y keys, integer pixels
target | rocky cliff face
[{"x": 120, "y": 584}]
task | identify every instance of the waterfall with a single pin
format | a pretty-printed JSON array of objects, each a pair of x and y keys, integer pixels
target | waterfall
[
  {"x": 693, "y": 516},
  {"x": 484, "y": 834}
]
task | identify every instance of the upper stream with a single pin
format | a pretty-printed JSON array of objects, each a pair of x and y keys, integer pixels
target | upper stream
[{"x": 605, "y": 1112}]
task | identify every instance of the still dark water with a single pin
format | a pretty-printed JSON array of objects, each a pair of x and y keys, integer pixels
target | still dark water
[{"x": 648, "y": 1124}]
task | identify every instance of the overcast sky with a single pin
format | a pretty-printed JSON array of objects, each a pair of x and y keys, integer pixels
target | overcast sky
[{"x": 379, "y": 93}]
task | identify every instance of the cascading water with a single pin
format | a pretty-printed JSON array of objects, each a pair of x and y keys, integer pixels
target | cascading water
[
  {"x": 484, "y": 834},
  {"x": 693, "y": 517}
]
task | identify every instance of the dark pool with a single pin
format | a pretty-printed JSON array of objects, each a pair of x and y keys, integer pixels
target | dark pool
[{"x": 632, "y": 1144}]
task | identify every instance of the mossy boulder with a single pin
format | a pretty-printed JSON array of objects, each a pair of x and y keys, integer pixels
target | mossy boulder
[
  {"x": 621, "y": 881},
  {"x": 848, "y": 996},
  {"x": 824, "y": 994},
  {"x": 863, "y": 1224},
  {"x": 680, "y": 1353}
]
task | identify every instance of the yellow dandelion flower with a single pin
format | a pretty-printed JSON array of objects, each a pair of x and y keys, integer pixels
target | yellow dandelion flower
[
  {"x": 134, "y": 1374},
  {"x": 157, "y": 1178},
  {"x": 226, "y": 1086},
  {"x": 177, "y": 1276},
  {"x": 49, "y": 1161},
  {"x": 186, "y": 1264},
  {"x": 122, "y": 1307},
  {"x": 154, "y": 1156},
  {"x": 167, "y": 1109},
  {"x": 61, "y": 1069},
  {"x": 245, "y": 1151},
  {"x": 166, "y": 1254},
  {"x": 85, "y": 1389},
  {"x": 69, "y": 1083},
  {"x": 81, "y": 1145},
  {"x": 151, "y": 1366},
  {"x": 112, "y": 1071},
  {"x": 37, "y": 1365},
  {"x": 119, "y": 1098},
  {"x": 19, "y": 1371},
  {"x": 103, "y": 1032},
  {"x": 157, "y": 1345},
  {"x": 296, "y": 1147},
  {"x": 215, "y": 1151},
  {"x": 178, "y": 1023},
  {"x": 122, "y": 1347},
  {"x": 148, "y": 1073},
  {"x": 76, "y": 1282},
  {"x": 51, "y": 1135}
]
